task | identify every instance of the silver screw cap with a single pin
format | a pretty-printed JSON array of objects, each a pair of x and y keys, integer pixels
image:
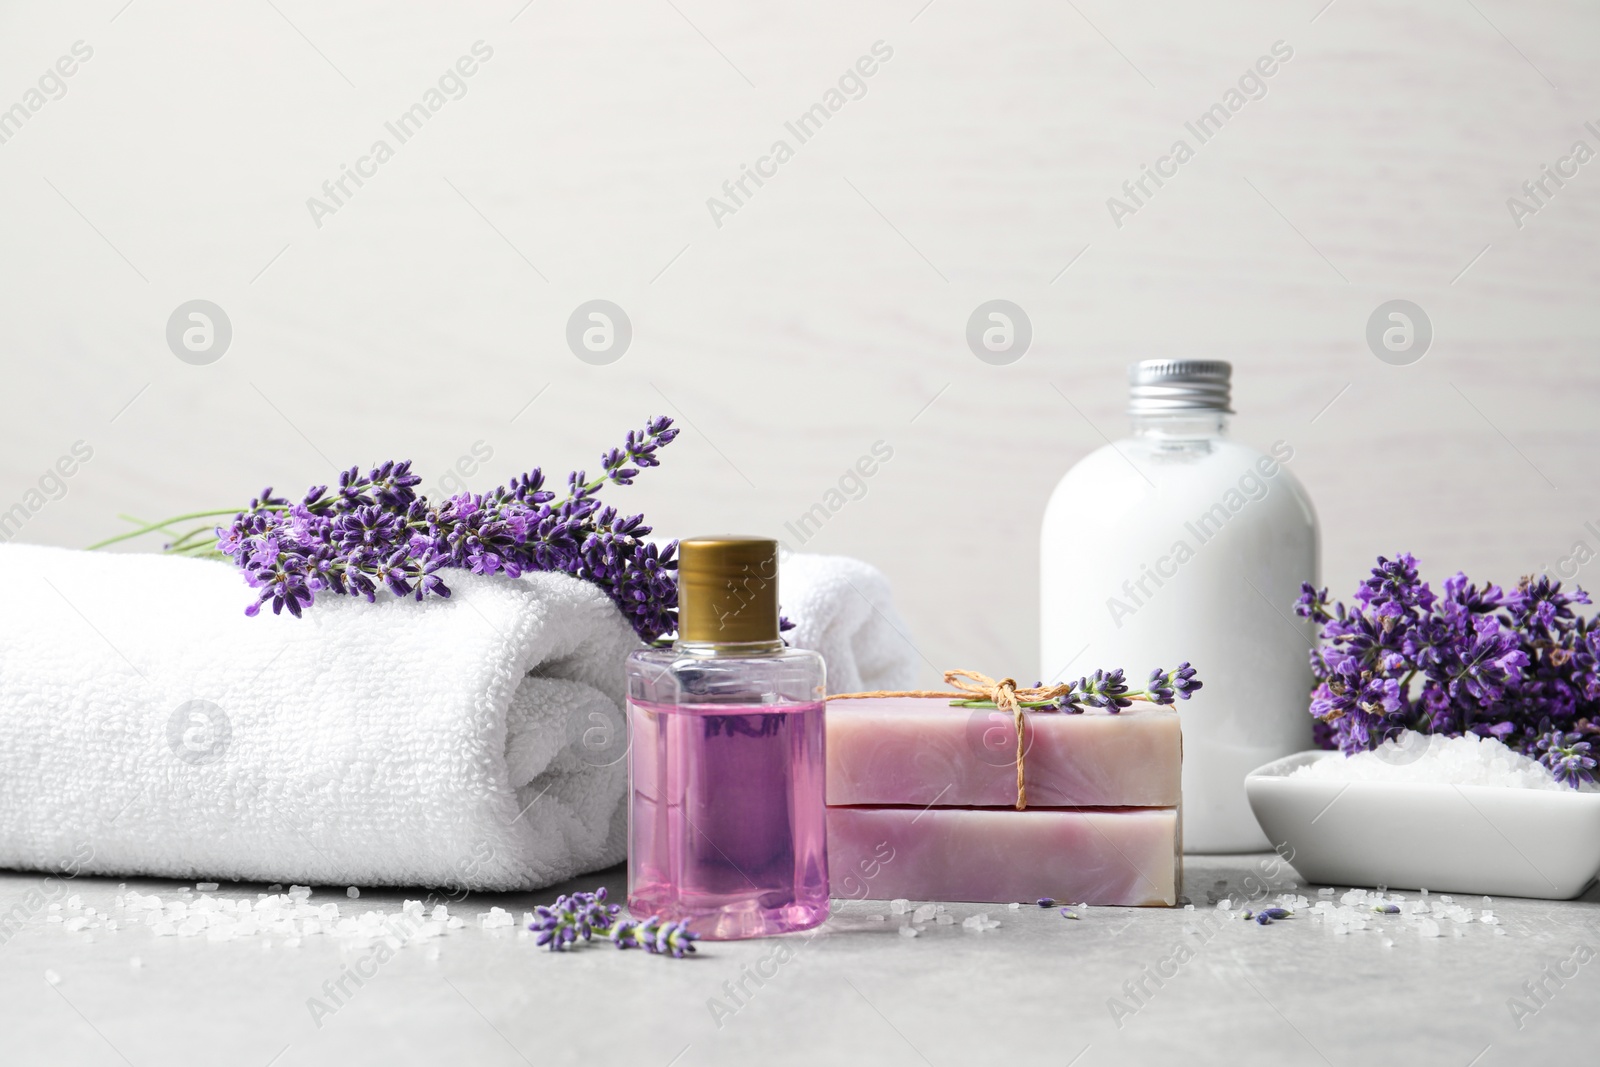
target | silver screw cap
[{"x": 1174, "y": 386}]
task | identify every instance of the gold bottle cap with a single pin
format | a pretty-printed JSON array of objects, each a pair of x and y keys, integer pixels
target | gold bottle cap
[{"x": 728, "y": 591}]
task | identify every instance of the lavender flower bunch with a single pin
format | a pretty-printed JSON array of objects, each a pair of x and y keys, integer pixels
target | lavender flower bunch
[
  {"x": 1518, "y": 665},
  {"x": 376, "y": 532},
  {"x": 583, "y": 915}
]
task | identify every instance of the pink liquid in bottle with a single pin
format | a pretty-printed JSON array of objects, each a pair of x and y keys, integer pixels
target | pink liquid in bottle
[{"x": 726, "y": 824}]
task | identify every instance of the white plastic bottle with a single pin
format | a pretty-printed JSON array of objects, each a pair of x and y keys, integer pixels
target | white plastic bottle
[{"x": 1180, "y": 544}]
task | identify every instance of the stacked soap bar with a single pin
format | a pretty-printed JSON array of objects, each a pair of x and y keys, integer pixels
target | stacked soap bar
[{"x": 921, "y": 803}]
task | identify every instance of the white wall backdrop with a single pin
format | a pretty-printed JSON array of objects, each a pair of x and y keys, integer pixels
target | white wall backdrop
[{"x": 427, "y": 314}]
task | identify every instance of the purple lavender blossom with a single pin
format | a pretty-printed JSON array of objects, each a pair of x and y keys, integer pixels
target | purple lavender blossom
[
  {"x": 656, "y": 937},
  {"x": 375, "y": 532},
  {"x": 570, "y": 918},
  {"x": 1518, "y": 665}
]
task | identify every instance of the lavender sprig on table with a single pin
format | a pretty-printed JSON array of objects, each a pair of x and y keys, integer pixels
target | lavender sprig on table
[
  {"x": 1518, "y": 665},
  {"x": 376, "y": 532},
  {"x": 656, "y": 937},
  {"x": 570, "y": 918},
  {"x": 581, "y": 916}
]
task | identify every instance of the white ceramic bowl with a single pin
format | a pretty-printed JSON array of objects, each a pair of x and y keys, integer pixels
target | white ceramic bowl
[{"x": 1445, "y": 838}]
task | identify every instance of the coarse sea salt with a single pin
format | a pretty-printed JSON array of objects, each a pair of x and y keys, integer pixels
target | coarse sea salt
[{"x": 1437, "y": 759}]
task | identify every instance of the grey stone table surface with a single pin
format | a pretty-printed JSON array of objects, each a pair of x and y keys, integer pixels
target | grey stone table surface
[{"x": 1118, "y": 986}]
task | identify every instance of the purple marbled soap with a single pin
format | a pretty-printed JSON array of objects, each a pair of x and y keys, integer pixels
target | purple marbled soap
[
  {"x": 921, "y": 751},
  {"x": 1126, "y": 857}
]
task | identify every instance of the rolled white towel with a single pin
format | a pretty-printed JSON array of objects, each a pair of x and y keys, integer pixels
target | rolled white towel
[
  {"x": 842, "y": 608},
  {"x": 148, "y": 727}
]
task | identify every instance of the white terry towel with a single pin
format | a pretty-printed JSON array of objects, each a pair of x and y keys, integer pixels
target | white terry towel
[
  {"x": 842, "y": 608},
  {"x": 148, "y": 727}
]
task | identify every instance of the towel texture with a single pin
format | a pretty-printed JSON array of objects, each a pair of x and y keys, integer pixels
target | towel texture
[
  {"x": 148, "y": 727},
  {"x": 842, "y": 608},
  {"x": 147, "y": 723}
]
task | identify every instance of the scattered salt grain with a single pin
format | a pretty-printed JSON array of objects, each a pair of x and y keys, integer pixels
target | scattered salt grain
[
  {"x": 979, "y": 922},
  {"x": 1325, "y": 891},
  {"x": 877, "y": 918},
  {"x": 942, "y": 919},
  {"x": 908, "y": 931},
  {"x": 52, "y": 977},
  {"x": 924, "y": 913},
  {"x": 900, "y": 905},
  {"x": 455, "y": 923},
  {"x": 299, "y": 892},
  {"x": 206, "y": 887},
  {"x": 353, "y": 893},
  {"x": 1013, "y": 905},
  {"x": 440, "y": 913},
  {"x": 1428, "y": 928},
  {"x": 74, "y": 925},
  {"x": 495, "y": 918}
]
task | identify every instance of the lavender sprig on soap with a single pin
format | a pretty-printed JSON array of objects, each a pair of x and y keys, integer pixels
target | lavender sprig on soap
[
  {"x": 1518, "y": 665},
  {"x": 376, "y": 532}
]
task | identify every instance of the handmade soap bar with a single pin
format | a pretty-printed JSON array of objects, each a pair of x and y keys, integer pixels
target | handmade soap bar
[
  {"x": 1121, "y": 857},
  {"x": 918, "y": 750}
]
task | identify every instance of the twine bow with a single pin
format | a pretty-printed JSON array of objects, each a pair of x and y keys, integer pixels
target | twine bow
[{"x": 972, "y": 689}]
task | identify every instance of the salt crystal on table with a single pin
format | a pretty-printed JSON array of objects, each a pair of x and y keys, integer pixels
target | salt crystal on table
[
  {"x": 111, "y": 924},
  {"x": 455, "y": 923},
  {"x": 1428, "y": 928},
  {"x": 74, "y": 925},
  {"x": 1501, "y": 930},
  {"x": 908, "y": 931},
  {"x": 300, "y": 892},
  {"x": 924, "y": 913},
  {"x": 440, "y": 913},
  {"x": 54, "y": 907},
  {"x": 274, "y": 888},
  {"x": 52, "y": 977},
  {"x": 1013, "y": 905},
  {"x": 944, "y": 920},
  {"x": 1326, "y": 891},
  {"x": 1489, "y": 919},
  {"x": 876, "y": 918},
  {"x": 900, "y": 905},
  {"x": 206, "y": 887},
  {"x": 496, "y": 917},
  {"x": 164, "y": 930}
]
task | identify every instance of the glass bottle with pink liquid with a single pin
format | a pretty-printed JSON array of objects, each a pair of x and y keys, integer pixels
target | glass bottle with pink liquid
[{"x": 725, "y": 770}]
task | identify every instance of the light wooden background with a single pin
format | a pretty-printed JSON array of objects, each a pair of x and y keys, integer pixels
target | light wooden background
[{"x": 830, "y": 312}]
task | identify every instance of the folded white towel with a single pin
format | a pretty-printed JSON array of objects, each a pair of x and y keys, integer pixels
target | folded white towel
[
  {"x": 842, "y": 608},
  {"x": 148, "y": 727}
]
